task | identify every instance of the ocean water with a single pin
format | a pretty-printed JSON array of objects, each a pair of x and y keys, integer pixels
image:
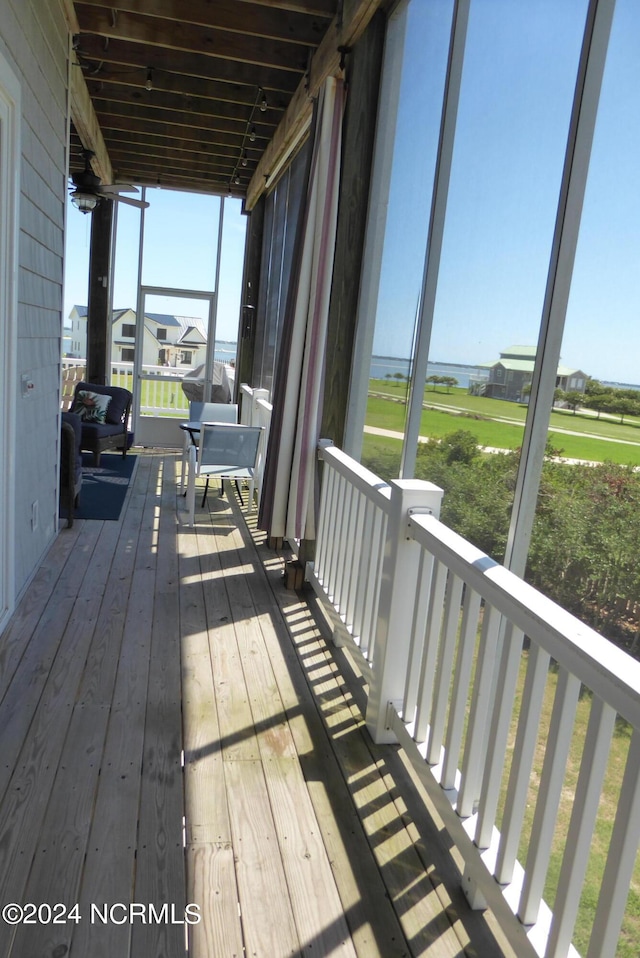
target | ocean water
[
  {"x": 225, "y": 352},
  {"x": 384, "y": 366}
]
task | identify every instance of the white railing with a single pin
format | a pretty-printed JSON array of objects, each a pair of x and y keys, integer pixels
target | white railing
[
  {"x": 161, "y": 394},
  {"x": 255, "y": 410},
  {"x": 499, "y": 697}
]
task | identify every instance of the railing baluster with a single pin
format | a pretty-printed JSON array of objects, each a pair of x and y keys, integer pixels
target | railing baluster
[
  {"x": 499, "y": 734},
  {"x": 443, "y": 670},
  {"x": 475, "y": 748},
  {"x": 323, "y": 520},
  {"x": 378, "y": 533},
  {"x": 523, "y": 755},
  {"x": 430, "y": 608},
  {"x": 549, "y": 791},
  {"x": 334, "y": 549},
  {"x": 462, "y": 678},
  {"x": 364, "y": 566},
  {"x": 343, "y": 512},
  {"x": 357, "y": 559},
  {"x": 349, "y": 554},
  {"x": 410, "y": 698}
]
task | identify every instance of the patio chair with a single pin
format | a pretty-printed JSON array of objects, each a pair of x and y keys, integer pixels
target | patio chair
[
  {"x": 228, "y": 451},
  {"x": 104, "y": 411},
  {"x": 211, "y": 412},
  {"x": 70, "y": 463}
]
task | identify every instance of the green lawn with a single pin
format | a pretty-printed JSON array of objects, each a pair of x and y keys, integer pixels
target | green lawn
[
  {"x": 460, "y": 399},
  {"x": 435, "y": 423}
]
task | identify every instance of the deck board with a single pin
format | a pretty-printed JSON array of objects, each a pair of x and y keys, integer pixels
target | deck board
[{"x": 175, "y": 727}]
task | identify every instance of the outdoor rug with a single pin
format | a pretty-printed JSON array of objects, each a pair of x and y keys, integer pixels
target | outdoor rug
[{"x": 104, "y": 487}]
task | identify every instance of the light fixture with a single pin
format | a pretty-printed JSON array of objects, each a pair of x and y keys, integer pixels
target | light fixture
[
  {"x": 244, "y": 159},
  {"x": 149, "y": 84},
  {"x": 85, "y": 202},
  {"x": 263, "y": 103},
  {"x": 252, "y": 134}
]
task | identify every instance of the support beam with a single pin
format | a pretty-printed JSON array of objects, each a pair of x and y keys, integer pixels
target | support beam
[
  {"x": 99, "y": 312},
  {"x": 250, "y": 287},
  {"x": 565, "y": 240},
  {"x": 80, "y": 106}
]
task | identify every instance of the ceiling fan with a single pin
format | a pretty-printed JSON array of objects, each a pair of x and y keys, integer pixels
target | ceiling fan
[{"x": 88, "y": 189}]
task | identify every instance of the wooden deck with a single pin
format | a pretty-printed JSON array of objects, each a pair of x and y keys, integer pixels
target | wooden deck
[{"x": 174, "y": 728}]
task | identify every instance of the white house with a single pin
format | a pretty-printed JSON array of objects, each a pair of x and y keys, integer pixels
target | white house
[{"x": 168, "y": 340}]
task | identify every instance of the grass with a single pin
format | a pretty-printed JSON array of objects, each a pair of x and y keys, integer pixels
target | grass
[{"x": 495, "y": 432}]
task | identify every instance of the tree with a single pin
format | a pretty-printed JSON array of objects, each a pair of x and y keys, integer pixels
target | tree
[
  {"x": 624, "y": 407},
  {"x": 449, "y": 382},
  {"x": 597, "y": 401},
  {"x": 435, "y": 380},
  {"x": 573, "y": 399}
]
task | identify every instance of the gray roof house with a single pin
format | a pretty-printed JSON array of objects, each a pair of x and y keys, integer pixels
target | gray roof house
[{"x": 513, "y": 372}]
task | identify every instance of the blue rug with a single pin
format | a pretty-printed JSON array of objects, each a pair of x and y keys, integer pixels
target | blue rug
[{"x": 104, "y": 487}]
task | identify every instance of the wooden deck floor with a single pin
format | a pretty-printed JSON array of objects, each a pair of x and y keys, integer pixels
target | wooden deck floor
[{"x": 174, "y": 728}]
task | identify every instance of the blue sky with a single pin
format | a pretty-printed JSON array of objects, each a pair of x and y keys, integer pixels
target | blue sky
[{"x": 515, "y": 103}]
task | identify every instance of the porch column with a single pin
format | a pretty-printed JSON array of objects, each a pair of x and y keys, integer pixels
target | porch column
[
  {"x": 250, "y": 287},
  {"x": 99, "y": 306}
]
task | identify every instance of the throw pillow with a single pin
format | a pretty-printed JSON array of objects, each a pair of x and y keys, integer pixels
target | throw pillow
[{"x": 91, "y": 407}]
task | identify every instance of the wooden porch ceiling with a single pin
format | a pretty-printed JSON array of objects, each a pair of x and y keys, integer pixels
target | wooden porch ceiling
[{"x": 228, "y": 81}]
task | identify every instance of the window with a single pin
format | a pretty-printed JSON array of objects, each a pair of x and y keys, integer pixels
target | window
[
  {"x": 161, "y": 334},
  {"x": 185, "y": 357},
  {"x": 129, "y": 330},
  {"x": 128, "y": 355}
]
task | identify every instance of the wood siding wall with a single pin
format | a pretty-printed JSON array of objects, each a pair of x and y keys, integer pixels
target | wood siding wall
[{"x": 34, "y": 40}]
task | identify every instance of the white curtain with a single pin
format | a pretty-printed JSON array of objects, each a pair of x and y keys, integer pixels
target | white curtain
[{"x": 292, "y": 513}]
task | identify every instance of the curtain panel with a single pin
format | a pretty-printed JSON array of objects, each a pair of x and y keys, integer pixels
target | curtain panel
[{"x": 288, "y": 506}]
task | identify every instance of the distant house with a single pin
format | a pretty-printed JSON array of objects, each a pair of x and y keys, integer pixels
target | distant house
[
  {"x": 168, "y": 340},
  {"x": 512, "y": 373}
]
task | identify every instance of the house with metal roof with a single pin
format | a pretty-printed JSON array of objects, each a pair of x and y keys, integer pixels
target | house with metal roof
[{"x": 510, "y": 375}]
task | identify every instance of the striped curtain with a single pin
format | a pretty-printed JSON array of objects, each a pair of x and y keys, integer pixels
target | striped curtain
[{"x": 289, "y": 491}]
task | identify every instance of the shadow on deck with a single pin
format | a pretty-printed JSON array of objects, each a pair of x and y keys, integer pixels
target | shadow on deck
[{"x": 176, "y": 729}]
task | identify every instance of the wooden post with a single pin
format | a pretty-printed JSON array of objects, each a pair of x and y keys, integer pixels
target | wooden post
[
  {"x": 397, "y": 599},
  {"x": 100, "y": 309},
  {"x": 250, "y": 287}
]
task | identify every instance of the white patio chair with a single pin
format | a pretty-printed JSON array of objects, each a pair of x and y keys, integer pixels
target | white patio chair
[
  {"x": 227, "y": 451},
  {"x": 212, "y": 412}
]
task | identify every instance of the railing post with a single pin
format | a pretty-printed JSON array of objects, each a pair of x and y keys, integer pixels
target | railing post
[
  {"x": 257, "y": 394},
  {"x": 397, "y": 600}
]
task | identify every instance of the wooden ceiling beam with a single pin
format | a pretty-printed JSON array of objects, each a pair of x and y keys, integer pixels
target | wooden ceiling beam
[
  {"x": 251, "y": 18},
  {"x": 182, "y": 121},
  {"x": 343, "y": 32},
  {"x": 169, "y": 131},
  {"x": 176, "y": 35},
  {"x": 152, "y": 145},
  {"x": 137, "y": 56},
  {"x": 84, "y": 119},
  {"x": 318, "y": 8},
  {"x": 156, "y": 100},
  {"x": 240, "y": 97}
]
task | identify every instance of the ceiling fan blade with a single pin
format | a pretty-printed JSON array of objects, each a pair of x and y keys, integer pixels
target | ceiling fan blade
[
  {"x": 140, "y": 204},
  {"x": 118, "y": 188}
]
